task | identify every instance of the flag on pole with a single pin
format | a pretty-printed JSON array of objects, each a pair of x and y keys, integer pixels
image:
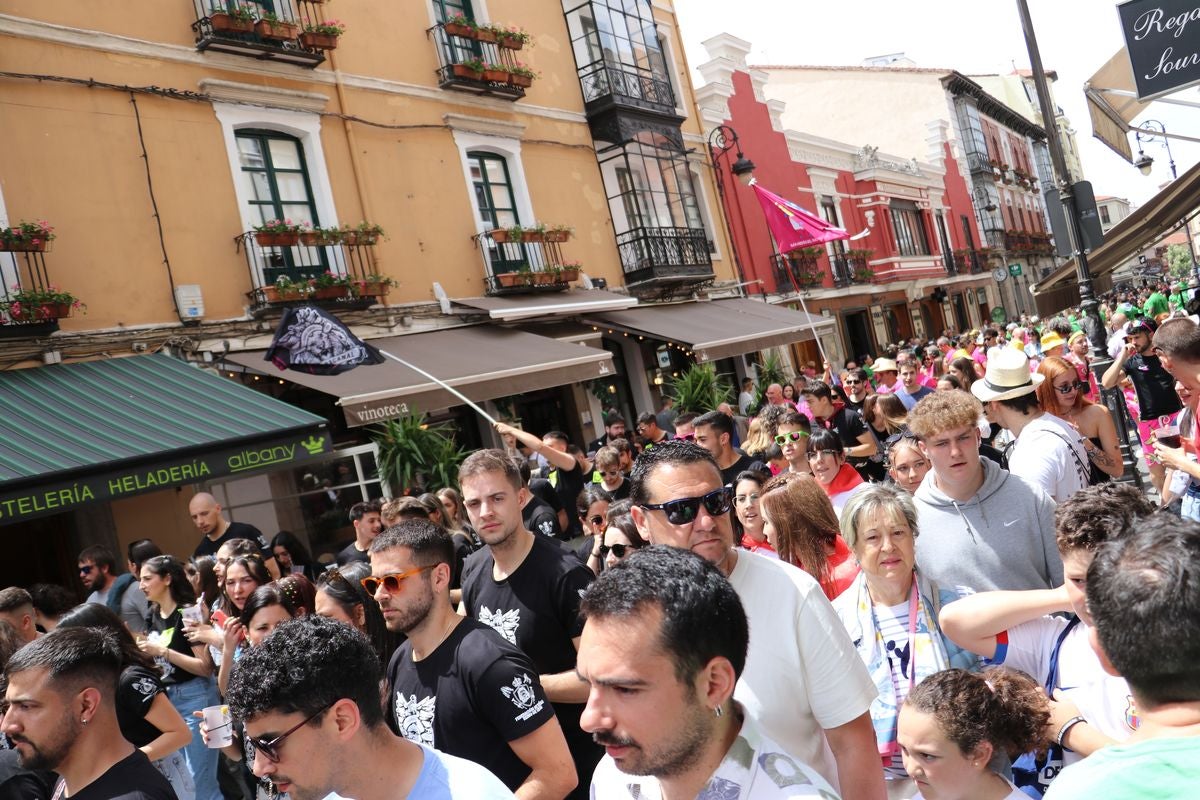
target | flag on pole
[
  {"x": 792, "y": 226},
  {"x": 311, "y": 340}
]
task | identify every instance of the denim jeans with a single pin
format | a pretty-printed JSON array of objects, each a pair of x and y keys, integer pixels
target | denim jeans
[
  {"x": 187, "y": 697},
  {"x": 1191, "y": 503},
  {"x": 174, "y": 768}
]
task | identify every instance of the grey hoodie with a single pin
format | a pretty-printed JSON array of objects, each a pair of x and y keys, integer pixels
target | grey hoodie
[{"x": 1002, "y": 538}]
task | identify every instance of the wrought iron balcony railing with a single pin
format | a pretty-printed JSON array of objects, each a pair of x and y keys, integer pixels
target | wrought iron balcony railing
[
  {"x": 460, "y": 58},
  {"x": 623, "y": 85},
  {"x": 794, "y": 272},
  {"x": 340, "y": 275},
  {"x": 664, "y": 255},
  {"x": 239, "y": 27},
  {"x": 30, "y": 306},
  {"x": 842, "y": 270},
  {"x": 512, "y": 267}
]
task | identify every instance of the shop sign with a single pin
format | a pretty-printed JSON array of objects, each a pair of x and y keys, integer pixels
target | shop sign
[
  {"x": 999, "y": 315},
  {"x": 39, "y": 500},
  {"x": 1014, "y": 270},
  {"x": 1163, "y": 40}
]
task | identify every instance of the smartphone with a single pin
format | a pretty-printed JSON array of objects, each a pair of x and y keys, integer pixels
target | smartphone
[{"x": 218, "y": 618}]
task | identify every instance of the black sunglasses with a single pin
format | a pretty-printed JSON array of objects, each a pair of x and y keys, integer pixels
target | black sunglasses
[
  {"x": 86, "y": 569},
  {"x": 270, "y": 749},
  {"x": 685, "y": 510},
  {"x": 618, "y": 550},
  {"x": 1070, "y": 387}
]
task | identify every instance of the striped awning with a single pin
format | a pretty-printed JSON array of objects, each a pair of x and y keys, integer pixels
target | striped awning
[{"x": 72, "y": 434}]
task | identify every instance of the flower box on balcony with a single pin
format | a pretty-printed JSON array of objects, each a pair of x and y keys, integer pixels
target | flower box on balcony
[
  {"x": 359, "y": 238},
  {"x": 38, "y": 313},
  {"x": 228, "y": 23},
  {"x": 496, "y": 75},
  {"x": 330, "y": 292},
  {"x": 319, "y": 237},
  {"x": 558, "y": 234},
  {"x": 277, "y": 30},
  {"x": 278, "y": 294},
  {"x": 467, "y": 71},
  {"x": 27, "y": 237},
  {"x": 24, "y": 247},
  {"x": 458, "y": 29},
  {"x": 511, "y": 279},
  {"x": 570, "y": 274},
  {"x": 485, "y": 35},
  {"x": 266, "y": 239},
  {"x": 371, "y": 289},
  {"x": 524, "y": 81},
  {"x": 510, "y": 42},
  {"x": 318, "y": 41}
]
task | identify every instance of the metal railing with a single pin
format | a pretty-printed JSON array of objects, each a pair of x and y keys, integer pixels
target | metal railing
[
  {"x": 796, "y": 272},
  {"x": 22, "y": 273},
  {"x": 237, "y": 26},
  {"x": 626, "y": 85},
  {"x": 283, "y": 274},
  {"x": 664, "y": 253},
  {"x": 519, "y": 267},
  {"x": 842, "y": 270},
  {"x": 454, "y": 51},
  {"x": 978, "y": 163}
]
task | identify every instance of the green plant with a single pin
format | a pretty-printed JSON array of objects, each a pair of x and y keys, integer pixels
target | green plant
[
  {"x": 240, "y": 13},
  {"x": 329, "y": 279},
  {"x": 27, "y": 233},
  {"x": 330, "y": 27},
  {"x": 769, "y": 371},
  {"x": 473, "y": 64},
  {"x": 285, "y": 284},
  {"x": 23, "y": 301},
  {"x": 282, "y": 226},
  {"x": 511, "y": 32},
  {"x": 699, "y": 389},
  {"x": 272, "y": 17},
  {"x": 560, "y": 229},
  {"x": 520, "y": 69},
  {"x": 460, "y": 19},
  {"x": 415, "y": 456}
]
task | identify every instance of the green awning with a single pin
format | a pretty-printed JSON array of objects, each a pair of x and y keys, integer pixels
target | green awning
[{"x": 73, "y": 434}]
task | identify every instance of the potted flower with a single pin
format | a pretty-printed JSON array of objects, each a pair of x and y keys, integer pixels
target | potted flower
[
  {"x": 27, "y": 237},
  {"x": 569, "y": 270},
  {"x": 317, "y": 236},
  {"x": 372, "y": 285},
  {"x": 495, "y": 73},
  {"x": 521, "y": 75},
  {"x": 233, "y": 19},
  {"x": 485, "y": 33},
  {"x": 559, "y": 233},
  {"x": 270, "y": 26},
  {"x": 502, "y": 235},
  {"x": 277, "y": 233},
  {"x": 284, "y": 290},
  {"x": 322, "y": 35},
  {"x": 459, "y": 25},
  {"x": 329, "y": 285},
  {"x": 512, "y": 37},
  {"x": 471, "y": 68},
  {"x": 534, "y": 233},
  {"x": 364, "y": 234},
  {"x": 859, "y": 264},
  {"x": 40, "y": 305}
]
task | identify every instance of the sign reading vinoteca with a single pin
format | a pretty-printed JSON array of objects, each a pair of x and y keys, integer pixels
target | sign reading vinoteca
[{"x": 1163, "y": 40}]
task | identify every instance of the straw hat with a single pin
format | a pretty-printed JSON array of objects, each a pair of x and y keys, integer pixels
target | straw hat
[
  {"x": 1007, "y": 377},
  {"x": 1050, "y": 339},
  {"x": 885, "y": 365}
]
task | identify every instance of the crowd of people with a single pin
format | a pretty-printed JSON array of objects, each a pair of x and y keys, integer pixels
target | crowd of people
[{"x": 916, "y": 576}]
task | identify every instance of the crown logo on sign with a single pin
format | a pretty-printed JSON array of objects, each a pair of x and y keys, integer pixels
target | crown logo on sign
[{"x": 313, "y": 444}]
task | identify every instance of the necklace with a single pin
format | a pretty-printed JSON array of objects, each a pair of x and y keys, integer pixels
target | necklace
[{"x": 445, "y": 635}]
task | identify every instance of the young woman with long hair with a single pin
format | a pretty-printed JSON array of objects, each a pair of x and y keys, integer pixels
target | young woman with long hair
[
  {"x": 749, "y": 525},
  {"x": 801, "y": 526},
  {"x": 341, "y": 596},
  {"x": 1064, "y": 395},
  {"x": 292, "y": 556},
  {"x": 144, "y": 712},
  {"x": 963, "y": 368},
  {"x": 243, "y": 576},
  {"x": 186, "y": 666}
]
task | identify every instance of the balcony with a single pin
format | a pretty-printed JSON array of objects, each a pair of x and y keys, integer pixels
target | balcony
[
  {"x": 796, "y": 271},
  {"x": 339, "y": 276},
  {"x": 238, "y": 27},
  {"x": 658, "y": 257},
  {"x": 523, "y": 267},
  {"x": 979, "y": 164},
  {"x": 621, "y": 101},
  {"x": 462, "y": 58},
  {"x": 30, "y": 305},
  {"x": 842, "y": 271}
]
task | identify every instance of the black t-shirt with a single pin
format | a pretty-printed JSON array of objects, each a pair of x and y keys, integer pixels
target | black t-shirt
[
  {"x": 136, "y": 690},
  {"x": 620, "y": 493},
  {"x": 537, "y": 609},
  {"x": 568, "y": 485},
  {"x": 544, "y": 491},
  {"x": 464, "y": 545},
  {"x": 132, "y": 778},
  {"x": 236, "y": 530},
  {"x": 1154, "y": 386},
  {"x": 540, "y": 518},
  {"x": 349, "y": 554},
  {"x": 470, "y": 697},
  {"x": 22, "y": 784},
  {"x": 848, "y": 424},
  {"x": 171, "y": 629},
  {"x": 744, "y": 462}
]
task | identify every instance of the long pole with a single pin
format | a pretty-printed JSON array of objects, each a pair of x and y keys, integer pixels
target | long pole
[
  {"x": 1092, "y": 324},
  {"x": 442, "y": 384}
]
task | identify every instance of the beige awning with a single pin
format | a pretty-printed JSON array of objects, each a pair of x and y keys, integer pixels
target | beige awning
[
  {"x": 483, "y": 362},
  {"x": 716, "y": 329},
  {"x": 542, "y": 306},
  {"x": 1113, "y": 104}
]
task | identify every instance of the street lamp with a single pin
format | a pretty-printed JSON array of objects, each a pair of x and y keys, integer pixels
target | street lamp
[
  {"x": 1144, "y": 162},
  {"x": 721, "y": 140}
]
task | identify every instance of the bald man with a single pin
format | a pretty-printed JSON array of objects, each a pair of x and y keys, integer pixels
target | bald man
[{"x": 206, "y": 515}]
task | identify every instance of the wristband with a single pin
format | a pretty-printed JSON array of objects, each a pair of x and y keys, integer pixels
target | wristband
[{"x": 1062, "y": 732}]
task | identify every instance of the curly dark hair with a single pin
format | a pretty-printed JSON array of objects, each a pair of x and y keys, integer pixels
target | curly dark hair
[
  {"x": 673, "y": 453},
  {"x": 312, "y": 663},
  {"x": 1097, "y": 514},
  {"x": 1002, "y": 706}
]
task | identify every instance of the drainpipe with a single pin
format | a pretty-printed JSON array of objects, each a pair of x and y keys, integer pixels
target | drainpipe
[{"x": 348, "y": 127}]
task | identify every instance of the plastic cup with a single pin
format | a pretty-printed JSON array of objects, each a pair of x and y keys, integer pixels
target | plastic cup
[
  {"x": 1168, "y": 435},
  {"x": 219, "y": 723}
]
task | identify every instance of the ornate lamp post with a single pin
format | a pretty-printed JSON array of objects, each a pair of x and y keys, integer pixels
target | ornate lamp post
[
  {"x": 1145, "y": 163},
  {"x": 721, "y": 140}
]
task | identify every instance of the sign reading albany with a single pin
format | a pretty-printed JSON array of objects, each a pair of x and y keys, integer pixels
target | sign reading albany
[
  {"x": 113, "y": 484},
  {"x": 1163, "y": 40}
]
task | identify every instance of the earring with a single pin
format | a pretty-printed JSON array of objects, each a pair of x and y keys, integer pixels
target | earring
[{"x": 718, "y": 711}]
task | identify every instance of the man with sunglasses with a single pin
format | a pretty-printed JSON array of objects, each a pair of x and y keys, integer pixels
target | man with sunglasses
[
  {"x": 803, "y": 682},
  {"x": 308, "y": 696},
  {"x": 527, "y": 588},
  {"x": 856, "y": 386},
  {"x": 455, "y": 684},
  {"x": 1158, "y": 404},
  {"x": 791, "y": 434}
]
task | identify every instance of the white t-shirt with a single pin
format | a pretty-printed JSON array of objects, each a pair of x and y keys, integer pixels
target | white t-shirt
[
  {"x": 802, "y": 672},
  {"x": 1014, "y": 794},
  {"x": 1042, "y": 457},
  {"x": 1103, "y": 700}
]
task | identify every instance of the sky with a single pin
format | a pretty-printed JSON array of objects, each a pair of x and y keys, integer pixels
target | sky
[{"x": 1076, "y": 37}]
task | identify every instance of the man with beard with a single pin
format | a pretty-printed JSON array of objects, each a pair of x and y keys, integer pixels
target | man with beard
[
  {"x": 662, "y": 677},
  {"x": 527, "y": 587},
  {"x": 1158, "y": 404},
  {"x": 62, "y": 716},
  {"x": 455, "y": 684},
  {"x": 308, "y": 696},
  {"x": 804, "y": 682}
]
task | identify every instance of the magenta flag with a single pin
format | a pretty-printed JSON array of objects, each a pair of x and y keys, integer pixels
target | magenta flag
[{"x": 792, "y": 226}]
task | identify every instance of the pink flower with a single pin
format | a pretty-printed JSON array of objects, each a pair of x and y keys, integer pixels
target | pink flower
[{"x": 15, "y": 309}]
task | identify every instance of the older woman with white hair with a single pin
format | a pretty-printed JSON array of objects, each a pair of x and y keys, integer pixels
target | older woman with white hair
[{"x": 891, "y": 611}]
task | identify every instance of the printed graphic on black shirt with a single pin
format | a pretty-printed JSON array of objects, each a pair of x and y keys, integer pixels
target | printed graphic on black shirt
[
  {"x": 414, "y": 717},
  {"x": 505, "y": 623}
]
